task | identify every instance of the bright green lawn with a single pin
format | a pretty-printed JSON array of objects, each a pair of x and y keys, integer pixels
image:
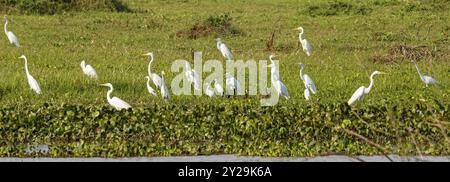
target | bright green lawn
[{"x": 343, "y": 46}]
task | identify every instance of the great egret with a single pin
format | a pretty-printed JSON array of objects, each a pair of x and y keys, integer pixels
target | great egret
[
  {"x": 224, "y": 49},
  {"x": 218, "y": 87},
  {"x": 116, "y": 102},
  {"x": 88, "y": 70},
  {"x": 209, "y": 92},
  {"x": 231, "y": 83},
  {"x": 155, "y": 78},
  {"x": 305, "y": 44},
  {"x": 428, "y": 80},
  {"x": 31, "y": 81},
  {"x": 273, "y": 69},
  {"x": 279, "y": 86},
  {"x": 192, "y": 76},
  {"x": 361, "y": 91},
  {"x": 308, "y": 82},
  {"x": 11, "y": 37},
  {"x": 149, "y": 87},
  {"x": 164, "y": 89}
]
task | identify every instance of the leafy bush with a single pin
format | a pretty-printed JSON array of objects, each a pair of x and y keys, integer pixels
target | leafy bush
[
  {"x": 59, "y": 6},
  {"x": 427, "y": 5},
  {"x": 337, "y": 8},
  {"x": 214, "y": 25},
  {"x": 246, "y": 129}
]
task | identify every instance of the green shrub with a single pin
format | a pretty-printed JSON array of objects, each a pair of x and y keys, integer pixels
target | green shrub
[
  {"x": 337, "y": 8},
  {"x": 59, "y": 6},
  {"x": 214, "y": 25},
  {"x": 245, "y": 128}
]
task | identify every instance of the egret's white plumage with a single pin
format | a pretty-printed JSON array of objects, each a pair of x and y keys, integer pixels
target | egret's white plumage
[
  {"x": 11, "y": 37},
  {"x": 308, "y": 82},
  {"x": 164, "y": 89},
  {"x": 306, "y": 94},
  {"x": 279, "y": 86},
  {"x": 224, "y": 50},
  {"x": 428, "y": 80},
  {"x": 156, "y": 79},
  {"x": 149, "y": 87},
  {"x": 231, "y": 83},
  {"x": 192, "y": 76},
  {"x": 361, "y": 91},
  {"x": 88, "y": 70},
  {"x": 208, "y": 91},
  {"x": 218, "y": 88},
  {"x": 116, "y": 102},
  {"x": 31, "y": 81},
  {"x": 305, "y": 44}
]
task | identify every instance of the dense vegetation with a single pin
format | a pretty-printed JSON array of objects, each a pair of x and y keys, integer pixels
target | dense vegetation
[
  {"x": 350, "y": 40},
  {"x": 60, "y": 6},
  {"x": 315, "y": 129}
]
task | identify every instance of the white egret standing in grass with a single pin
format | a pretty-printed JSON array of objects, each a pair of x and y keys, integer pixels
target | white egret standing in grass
[
  {"x": 116, "y": 102},
  {"x": 209, "y": 92},
  {"x": 31, "y": 81},
  {"x": 279, "y": 86},
  {"x": 164, "y": 89},
  {"x": 192, "y": 76},
  {"x": 428, "y": 80},
  {"x": 305, "y": 44},
  {"x": 231, "y": 83},
  {"x": 361, "y": 91},
  {"x": 224, "y": 49},
  {"x": 218, "y": 87},
  {"x": 308, "y": 82},
  {"x": 153, "y": 76},
  {"x": 11, "y": 37},
  {"x": 149, "y": 87},
  {"x": 88, "y": 70}
]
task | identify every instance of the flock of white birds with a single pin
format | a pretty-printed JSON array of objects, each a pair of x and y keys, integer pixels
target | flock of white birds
[{"x": 194, "y": 79}]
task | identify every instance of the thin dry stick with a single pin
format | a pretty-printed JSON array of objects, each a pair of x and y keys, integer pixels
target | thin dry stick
[{"x": 369, "y": 142}]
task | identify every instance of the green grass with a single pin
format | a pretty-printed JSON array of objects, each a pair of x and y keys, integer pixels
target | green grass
[{"x": 344, "y": 45}]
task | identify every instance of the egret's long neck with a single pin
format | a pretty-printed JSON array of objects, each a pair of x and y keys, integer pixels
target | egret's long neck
[
  {"x": 108, "y": 94},
  {"x": 150, "y": 65},
  {"x": 83, "y": 66},
  {"x": 218, "y": 44},
  {"x": 300, "y": 35},
  {"x": 6, "y": 26},
  {"x": 301, "y": 72},
  {"x": 418, "y": 70},
  {"x": 148, "y": 82},
  {"x": 26, "y": 66},
  {"x": 273, "y": 68},
  {"x": 371, "y": 83}
]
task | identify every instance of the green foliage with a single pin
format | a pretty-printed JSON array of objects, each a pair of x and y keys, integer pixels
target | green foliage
[
  {"x": 59, "y": 6},
  {"x": 80, "y": 130},
  {"x": 337, "y": 8},
  {"x": 113, "y": 42},
  {"x": 221, "y": 21},
  {"x": 214, "y": 25},
  {"x": 427, "y": 5}
]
